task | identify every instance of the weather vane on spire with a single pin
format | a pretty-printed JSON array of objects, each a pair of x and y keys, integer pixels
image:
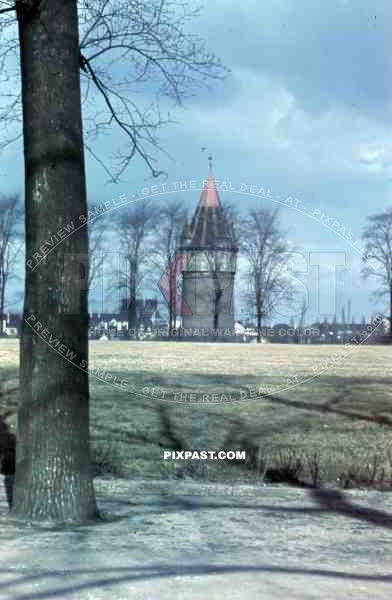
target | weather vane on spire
[{"x": 203, "y": 149}]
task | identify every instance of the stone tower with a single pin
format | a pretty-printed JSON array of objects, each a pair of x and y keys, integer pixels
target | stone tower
[{"x": 209, "y": 250}]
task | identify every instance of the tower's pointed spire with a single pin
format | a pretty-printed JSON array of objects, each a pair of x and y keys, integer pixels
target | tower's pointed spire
[{"x": 209, "y": 197}]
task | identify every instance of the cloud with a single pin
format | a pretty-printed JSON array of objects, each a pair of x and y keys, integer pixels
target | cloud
[
  {"x": 265, "y": 120},
  {"x": 324, "y": 53}
]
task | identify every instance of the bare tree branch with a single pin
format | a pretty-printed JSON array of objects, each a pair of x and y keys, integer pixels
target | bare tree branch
[
  {"x": 124, "y": 44},
  {"x": 6, "y": 10},
  {"x": 128, "y": 129},
  {"x": 7, "y": 7}
]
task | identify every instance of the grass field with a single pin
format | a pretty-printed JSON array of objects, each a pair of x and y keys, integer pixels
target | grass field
[{"x": 314, "y": 414}]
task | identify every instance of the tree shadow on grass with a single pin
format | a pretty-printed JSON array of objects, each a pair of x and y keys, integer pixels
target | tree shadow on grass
[
  {"x": 326, "y": 501},
  {"x": 223, "y": 430},
  {"x": 122, "y": 575},
  {"x": 335, "y": 501}
]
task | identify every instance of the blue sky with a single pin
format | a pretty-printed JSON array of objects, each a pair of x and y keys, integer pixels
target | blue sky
[{"x": 305, "y": 112}]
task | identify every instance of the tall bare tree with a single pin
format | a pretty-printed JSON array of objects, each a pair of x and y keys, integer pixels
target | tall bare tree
[
  {"x": 377, "y": 256},
  {"x": 134, "y": 228},
  {"x": 11, "y": 245},
  {"x": 303, "y": 309},
  {"x": 172, "y": 218},
  {"x": 343, "y": 316},
  {"x": 349, "y": 311},
  {"x": 267, "y": 254},
  {"x": 121, "y": 44}
]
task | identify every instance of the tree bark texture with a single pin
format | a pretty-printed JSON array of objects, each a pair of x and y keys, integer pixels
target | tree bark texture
[{"x": 53, "y": 475}]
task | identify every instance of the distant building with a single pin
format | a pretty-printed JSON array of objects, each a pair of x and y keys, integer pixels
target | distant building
[
  {"x": 11, "y": 325},
  {"x": 102, "y": 324},
  {"x": 115, "y": 325},
  {"x": 325, "y": 333},
  {"x": 147, "y": 312},
  {"x": 345, "y": 333}
]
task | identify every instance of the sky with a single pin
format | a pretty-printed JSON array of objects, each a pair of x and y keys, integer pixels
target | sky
[{"x": 305, "y": 115}]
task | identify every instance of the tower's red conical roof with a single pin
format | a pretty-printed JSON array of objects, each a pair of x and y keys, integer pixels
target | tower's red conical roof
[{"x": 210, "y": 226}]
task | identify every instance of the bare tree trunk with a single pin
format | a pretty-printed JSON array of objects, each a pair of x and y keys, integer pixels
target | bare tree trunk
[
  {"x": 53, "y": 475},
  {"x": 258, "y": 315},
  {"x": 217, "y": 303},
  {"x": 172, "y": 298},
  {"x": 217, "y": 310},
  {"x": 132, "y": 315}
]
